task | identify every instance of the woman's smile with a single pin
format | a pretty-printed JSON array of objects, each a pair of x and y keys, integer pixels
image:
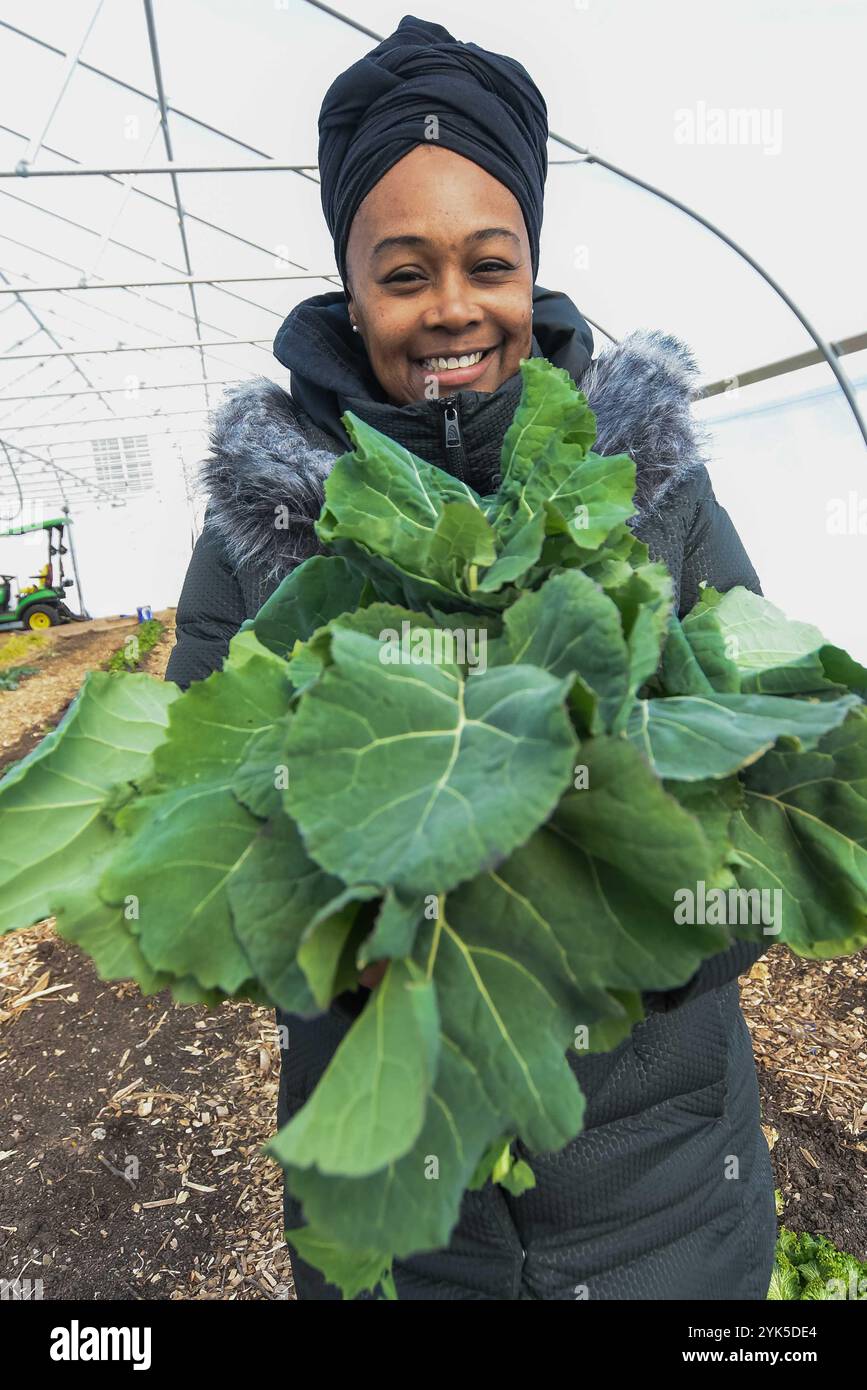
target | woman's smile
[{"x": 458, "y": 367}]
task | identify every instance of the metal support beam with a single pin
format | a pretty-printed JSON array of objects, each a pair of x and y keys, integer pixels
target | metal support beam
[
  {"x": 70, "y": 537},
  {"x": 148, "y": 96},
  {"x": 126, "y": 432},
  {"x": 66, "y": 77},
  {"x": 66, "y": 317},
  {"x": 857, "y": 343},
  {"x": 138, "y": 347},
  {"x": 157, "y": 284},
  {"x": 824, "y": 348},
  {"x": 149, "y": 197},
  {"x": 47, "y": 331},
  {"x": 21, "y": 171},
  {"x": 113, "y": 391},
  {"x": 176, "y": 188},
  {"x": 125, "y": 285},
  {"x": 49, "y": 463},
  {"x": 53, "y": 313},
  {"x": 108, "y": 419},
  {"x": 127, "y": 187},
  {"x": 17, "y": 484}
]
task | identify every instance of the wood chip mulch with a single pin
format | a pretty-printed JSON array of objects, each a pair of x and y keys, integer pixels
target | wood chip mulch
[
  {"x": 808, "y": 1021},
  {"x": 131, "y": 1134}
]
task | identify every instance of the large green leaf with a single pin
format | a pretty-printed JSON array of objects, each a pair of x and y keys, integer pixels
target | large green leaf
[
  {"x": 712, "y": 803},
  {"x": 412, "y": 1203},
  {"x": 502, "y": 1067},
  {"x": 105, "y": 934},
  {"x": 378, "y": 620},
  {"x": 772, "y": 654},
  {"x": 220, "y": 721},
  {"x": 53, "y": 829},
  {"x": 841, "y": 669},
  {"x": 352, "y": 1271},
  {"x": 622, "y": 815},
  {"x": 329, "y": 950},
  {"x": 183, "y": 843},
  {"x": 547, "y": 469},
  {"x": 680, "y": 672},
  {"x": 520, "y": 553},
  {"x": 500, "y": 1013},
  {"x": 413, "y": 777},
  {"x": 313, "y": 593},
  {"x": 369, "y": 1106},
  {"x": 273, "y": 896},
  {"x": 407, "y": 586},
  {"x": 175, "y": 861},
  {"x": 743, "y": 642},
  {"x": 703, "y": 633},
  {"x": 550, "y": 406},
  {"x": 802, "y": 832},
  {"x": 570, "y": 627},
  {"x": 386, "y": 499},
  {"x": 645, "y": 601},
  {"x": 592, "y": 928},
  {"x": 589, "y": 499},
  {"x": 692, "y": 737}
]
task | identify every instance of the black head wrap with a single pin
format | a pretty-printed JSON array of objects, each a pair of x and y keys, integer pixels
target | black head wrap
[{"x": 487, "y": 108}]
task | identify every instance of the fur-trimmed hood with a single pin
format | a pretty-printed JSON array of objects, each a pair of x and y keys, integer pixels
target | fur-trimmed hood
[{"x": 268, "y": 458}]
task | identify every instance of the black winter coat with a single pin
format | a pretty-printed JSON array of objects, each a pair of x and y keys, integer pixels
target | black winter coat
[{"x": 643, "y": 1203}]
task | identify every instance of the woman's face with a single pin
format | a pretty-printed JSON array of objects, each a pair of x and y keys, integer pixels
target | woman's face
[{"x": 438, "y": 267}]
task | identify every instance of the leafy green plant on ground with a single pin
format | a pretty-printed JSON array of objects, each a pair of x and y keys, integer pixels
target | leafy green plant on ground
[
  {"x": 473, "y": 742},
  {"x": 136, "y": 646},
  {"x": 12, "y": 676},
  {"x": 19, "y": 644},
  {"x": 807, "y": 1266}
]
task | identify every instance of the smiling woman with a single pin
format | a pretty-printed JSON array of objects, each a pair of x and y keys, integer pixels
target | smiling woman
[
  {"x": 433, "y": 161},
  {"x": 448, "y": 303}
]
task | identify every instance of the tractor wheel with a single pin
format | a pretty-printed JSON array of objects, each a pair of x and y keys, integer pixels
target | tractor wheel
[{"x": 39, "y": 617}]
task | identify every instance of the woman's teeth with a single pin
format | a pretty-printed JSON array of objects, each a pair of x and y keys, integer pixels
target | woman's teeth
[{"x": 445, "y": 364}]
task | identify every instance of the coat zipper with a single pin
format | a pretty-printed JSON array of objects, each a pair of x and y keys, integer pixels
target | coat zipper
[{"x": 453, "y": 440}]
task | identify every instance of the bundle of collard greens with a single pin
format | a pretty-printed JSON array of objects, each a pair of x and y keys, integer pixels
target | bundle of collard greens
[{"x": 471, "y": 739}]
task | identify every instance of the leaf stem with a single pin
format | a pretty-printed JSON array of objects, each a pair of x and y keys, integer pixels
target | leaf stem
[{"x": 434, "y": 946}]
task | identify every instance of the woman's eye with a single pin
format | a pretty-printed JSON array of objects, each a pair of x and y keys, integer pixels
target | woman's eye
[
  {"x": 487, "y": 266},
  {"x": 401, "y": 276}
]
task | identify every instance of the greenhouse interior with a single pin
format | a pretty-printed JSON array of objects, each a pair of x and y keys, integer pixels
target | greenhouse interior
[{"x": 162, "y": 216}]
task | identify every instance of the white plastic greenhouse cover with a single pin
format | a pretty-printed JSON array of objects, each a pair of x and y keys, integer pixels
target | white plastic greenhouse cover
[{"x": 751, "y": 113}]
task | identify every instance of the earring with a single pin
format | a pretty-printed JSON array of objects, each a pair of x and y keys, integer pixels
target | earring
[{"x": 355, "y": 328}]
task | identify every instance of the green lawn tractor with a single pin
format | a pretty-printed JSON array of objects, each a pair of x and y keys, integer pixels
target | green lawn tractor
[{"x": 42, "y": 603}]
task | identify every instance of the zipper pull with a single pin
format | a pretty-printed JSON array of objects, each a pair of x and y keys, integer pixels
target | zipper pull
[
  {"x": 451, "y": 423},
  {"x": 453, "y": 442}
]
